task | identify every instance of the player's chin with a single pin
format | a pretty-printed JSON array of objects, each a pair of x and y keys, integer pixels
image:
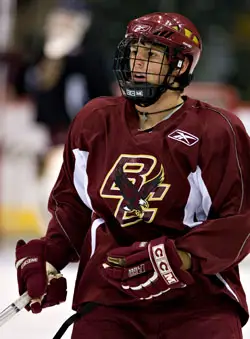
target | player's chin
[
  {"x": 155, "y": 80},
  {"x": 146, "y": 81}
]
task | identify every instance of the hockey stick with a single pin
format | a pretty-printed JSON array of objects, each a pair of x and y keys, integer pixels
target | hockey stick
[{"x": 14, "y": 308}]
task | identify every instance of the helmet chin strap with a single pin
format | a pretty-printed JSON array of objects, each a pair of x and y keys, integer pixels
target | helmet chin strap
[{"x": 146, "y": 114}]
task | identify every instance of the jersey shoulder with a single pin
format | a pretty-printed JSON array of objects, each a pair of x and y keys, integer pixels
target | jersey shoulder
[
  {"x": 219, "y": 115},
  {"x": 93, "y": 118},
  {"x": 216, "y": 121},
  {"x": 100, "y": 106}
]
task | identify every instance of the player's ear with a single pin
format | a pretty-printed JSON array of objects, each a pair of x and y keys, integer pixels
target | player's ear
[{"x": 184, "y": 67}]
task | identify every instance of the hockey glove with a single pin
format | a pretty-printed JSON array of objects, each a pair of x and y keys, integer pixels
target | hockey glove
[
  {"x": 146, "y": 270},
  {"x": 40, "y": 279}
]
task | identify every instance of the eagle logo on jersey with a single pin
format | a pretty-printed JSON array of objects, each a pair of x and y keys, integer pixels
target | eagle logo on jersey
[
  {"x": 136, "y": 200},
  {"x": 134, "y": 187}
]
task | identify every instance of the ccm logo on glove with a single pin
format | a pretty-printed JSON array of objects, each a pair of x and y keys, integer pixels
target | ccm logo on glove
[{"x": 162, "y": 263}]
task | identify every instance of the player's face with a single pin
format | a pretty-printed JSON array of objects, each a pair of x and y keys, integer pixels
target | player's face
[{"x": 148, "y": 63}]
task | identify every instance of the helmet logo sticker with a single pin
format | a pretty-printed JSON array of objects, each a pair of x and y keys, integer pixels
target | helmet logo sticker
[{"x": 142, "y": 28}]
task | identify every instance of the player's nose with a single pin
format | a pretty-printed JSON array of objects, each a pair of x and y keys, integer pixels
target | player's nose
[{"x": 140, "y": 65}]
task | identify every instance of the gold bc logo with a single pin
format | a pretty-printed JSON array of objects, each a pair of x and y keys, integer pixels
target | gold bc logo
[{"x": 134, "y": 182}]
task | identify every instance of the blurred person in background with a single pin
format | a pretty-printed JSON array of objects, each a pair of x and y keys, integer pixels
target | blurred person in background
[
  {"x": 69, "y": 72},
  {"x": 152, "y": 199}
]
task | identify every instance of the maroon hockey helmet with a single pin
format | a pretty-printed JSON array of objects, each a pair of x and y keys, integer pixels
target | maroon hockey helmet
[{"x": 177, "y": 36}]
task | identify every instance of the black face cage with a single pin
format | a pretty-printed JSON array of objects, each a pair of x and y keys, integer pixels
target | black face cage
[{"x": 144, "y": 93}]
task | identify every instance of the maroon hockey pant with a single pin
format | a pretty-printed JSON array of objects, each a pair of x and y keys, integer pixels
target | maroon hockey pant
[{"x": 219, "y": 320}]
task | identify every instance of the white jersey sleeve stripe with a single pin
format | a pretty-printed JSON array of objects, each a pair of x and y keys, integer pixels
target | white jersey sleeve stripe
[
  {"x": 81, "y": 177},
  {"x": 199, "y": 201},
  {"x": 94, "y": 227}
]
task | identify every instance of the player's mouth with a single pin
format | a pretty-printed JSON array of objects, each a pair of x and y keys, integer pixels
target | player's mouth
[{"x": 139, "y": 77}]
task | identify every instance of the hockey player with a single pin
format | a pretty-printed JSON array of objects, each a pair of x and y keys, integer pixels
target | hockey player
[{"x": 153, "y": 201}]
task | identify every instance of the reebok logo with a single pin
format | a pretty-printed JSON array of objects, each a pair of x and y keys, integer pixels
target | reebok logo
[
  {"x": 142, "y": 28},
  {"x": 184, "y": 137}
]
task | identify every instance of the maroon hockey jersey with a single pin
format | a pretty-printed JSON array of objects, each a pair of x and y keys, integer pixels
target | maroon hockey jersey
[{"x": 187, "y": 178}]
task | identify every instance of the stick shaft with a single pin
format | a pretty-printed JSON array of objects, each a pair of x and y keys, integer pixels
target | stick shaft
[{"x": 14, "y": 308}]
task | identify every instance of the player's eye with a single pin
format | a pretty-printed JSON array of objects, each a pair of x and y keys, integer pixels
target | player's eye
[{"x": 153, "y": 54}]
